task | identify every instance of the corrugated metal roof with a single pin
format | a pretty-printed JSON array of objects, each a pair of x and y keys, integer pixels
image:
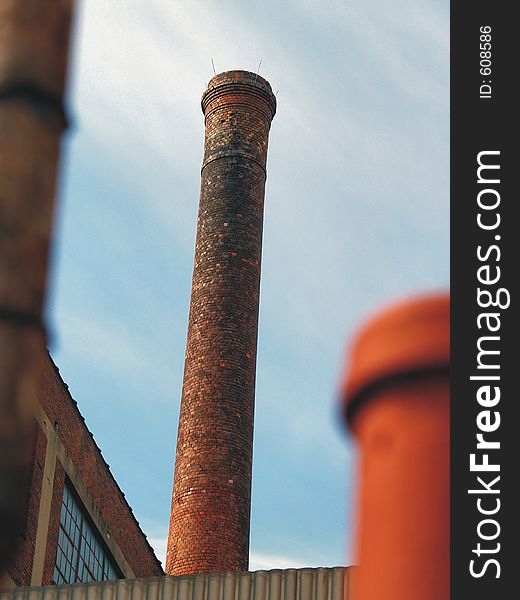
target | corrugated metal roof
[{"x": 288, "y": 584}]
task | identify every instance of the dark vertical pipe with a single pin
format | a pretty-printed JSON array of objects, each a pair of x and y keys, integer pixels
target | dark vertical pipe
[{"x": 34, "y": 40}]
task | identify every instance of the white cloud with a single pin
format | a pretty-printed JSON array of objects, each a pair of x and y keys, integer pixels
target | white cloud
[
  {"x": 258, "y": 561},
  {"x": 107, "y": 346},
  {"x": 106, "y": 343},
  {"x": 159, "y": 544}
]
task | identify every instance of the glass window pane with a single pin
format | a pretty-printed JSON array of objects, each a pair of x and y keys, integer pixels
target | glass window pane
[{"x": 81, "y": 554}]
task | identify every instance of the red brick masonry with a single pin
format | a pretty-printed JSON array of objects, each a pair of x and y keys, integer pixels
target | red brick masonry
[
  {"x": 209, "y": 528},
  {"x": 108, "y": 501}
]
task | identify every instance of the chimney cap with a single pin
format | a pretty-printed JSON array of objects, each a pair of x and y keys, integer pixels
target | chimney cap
[
  {"x": 239, "y": 82},
  {"x": 407, "y": 340}
]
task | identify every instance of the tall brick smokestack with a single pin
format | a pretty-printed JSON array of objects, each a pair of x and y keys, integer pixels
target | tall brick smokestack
[{"x": 209, "y": 527}]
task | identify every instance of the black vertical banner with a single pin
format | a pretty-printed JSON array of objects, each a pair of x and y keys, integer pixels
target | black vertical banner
[{"x": 485, "y": 268}]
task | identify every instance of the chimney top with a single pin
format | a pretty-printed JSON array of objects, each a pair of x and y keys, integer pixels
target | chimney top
[{"x": 235, "y": 83}]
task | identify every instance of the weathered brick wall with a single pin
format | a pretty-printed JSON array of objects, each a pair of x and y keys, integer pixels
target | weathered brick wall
[
  {"x": 21, "y": 565},
  {"x": 108, "y": 498},
  {"x": 209, "y": 528},
  {"x": 107, "y": 503}
]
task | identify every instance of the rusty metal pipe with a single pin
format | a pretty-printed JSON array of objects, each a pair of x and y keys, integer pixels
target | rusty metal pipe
[{"x": 397, "y": 403}]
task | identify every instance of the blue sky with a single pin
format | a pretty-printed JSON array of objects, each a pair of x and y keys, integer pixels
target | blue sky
[{"x": 356, "y": 214}]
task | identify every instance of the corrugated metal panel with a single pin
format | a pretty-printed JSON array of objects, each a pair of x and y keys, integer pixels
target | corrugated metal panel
[{"x": 289, "y": 584}]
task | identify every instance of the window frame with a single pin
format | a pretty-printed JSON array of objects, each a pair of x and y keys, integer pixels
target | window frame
[{"x": 81, "y": 553}]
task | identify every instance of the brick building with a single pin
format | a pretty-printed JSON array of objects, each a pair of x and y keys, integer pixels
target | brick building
[{"x": 78, "y": 524}]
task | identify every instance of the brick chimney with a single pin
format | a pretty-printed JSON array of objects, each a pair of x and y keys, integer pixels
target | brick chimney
[{"x": 209, "y": 526}]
